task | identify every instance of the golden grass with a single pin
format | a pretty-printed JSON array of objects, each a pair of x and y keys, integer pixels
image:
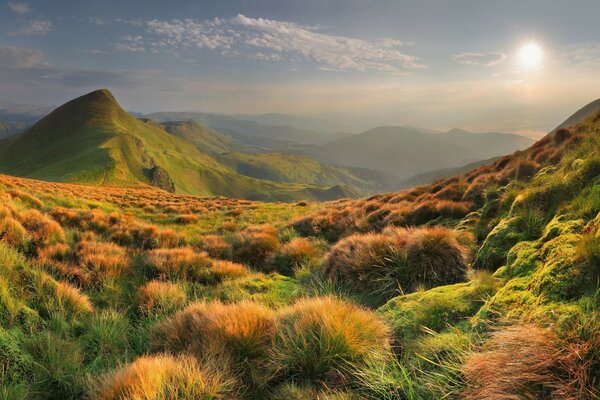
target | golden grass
[
  {"x": 71, "y": 300},
  {"x": 42, "y": 229},
  {"x": 215, "y": 246},
  {"x": 12, "y": 232},
  {"x": 158, "y": 296},
  {"x": 223, "y": 270},
  {"x": 242, "y": 330},
  {"x": 162, "y": 377},
  {"x": 179, "y": 263},
  {"x": 526, "y": 361},
  {"x": 324, "y": 339},
  {"x": 103, "y": 259}
]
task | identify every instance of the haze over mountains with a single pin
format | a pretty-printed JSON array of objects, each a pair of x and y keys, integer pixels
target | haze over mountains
[{"x": 93, "y": 140}]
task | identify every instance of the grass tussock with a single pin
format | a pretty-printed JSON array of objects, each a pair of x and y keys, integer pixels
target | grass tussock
[
  {"x": 13, "y": 233},
  {"x": 399, "y": 260},
  {"x": 164, "y": 377},
  {"x": 325, "y": 339},
  {"x": 295, "y": 254},
  {"x": 242, "y": 330},
  {"x": 215, "y": 245},
  {"x": 527, "y": 361},
  {"x": 102, "y": 259},
  {"x": 42, "y": 229},
  {"x": 254, "y": 245},
  {"x": 223, "y": 270},
  {"x": 158, "y": 297},
  {"x": 179, "y": 263}
]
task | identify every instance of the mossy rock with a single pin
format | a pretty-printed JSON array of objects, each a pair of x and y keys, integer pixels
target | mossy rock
[
  {"x": 438, "y": 308},
  {"x": 563, "y": 276},
  {"x": 522, "y": 260},
  {"x": 560, "y": 225},
  {"x": 496, "y": 245}
]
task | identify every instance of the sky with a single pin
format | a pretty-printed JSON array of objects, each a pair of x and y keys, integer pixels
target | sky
[{"x": 430, "y": 63}]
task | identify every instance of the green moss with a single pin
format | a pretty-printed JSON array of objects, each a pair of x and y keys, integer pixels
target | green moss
[
  {"x": 563, "y": 276},
  {"x": 496, "y": 245},
  {"x": 522, "y": 259},
  {"x": 438, "y": 308},
  {"x": 15, "y": 363}
]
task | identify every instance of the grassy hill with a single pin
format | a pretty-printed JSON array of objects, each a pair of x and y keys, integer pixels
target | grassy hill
[
  {"x": 281, "y": 167},
  {"x": 93, "y": 140},
  {"x": 206, "y": 139},
  {"x": 483, "y": 285}
]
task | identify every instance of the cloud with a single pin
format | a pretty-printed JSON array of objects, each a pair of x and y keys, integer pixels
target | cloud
[
  {"x": 19, "y": 8},
  {"x": 133, "y": 43},
  {"x": 483, "y": 59},
  {"x": 34, "y": 28},
  {"x": 13, "y": 57},
  {"x": 266, "y": 39},
  {"x": 97, "y": 21},
  {"x": 582, "y": 55}
]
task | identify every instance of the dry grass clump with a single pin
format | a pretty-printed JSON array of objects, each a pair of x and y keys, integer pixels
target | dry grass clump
[
  {"x": 223, "y": 270},
  {"x": 163, "y": 377},
  {"x": 134, "y": 234},
  {"x": 60, "y": 260},
  {"x": 94, "y": 220},
  {"x": 255, "y": 244},
  {"x": 242, "y": 330},
  {"x": 160, "y": 297},
  {"x": 399, "y": 260},
  {"x": 26, "y": 198},
  {"x": 325, "y": 339},
  {"x": 69, "y": 299},
  {"x": 526, "y": 362},
  {"x": 187, "y": 219},
  {"x": 42, "y": 229},
  {"x": 179, "y": 263},
  {"x": 215, "y": 246},
  {"x": 13, "y": 233},
  {"x": 104, "y": 259},
  {"x": 293, "y": 255}
]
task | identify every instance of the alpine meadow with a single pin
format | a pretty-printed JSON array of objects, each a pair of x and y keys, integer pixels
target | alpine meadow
[{"x": 300, "y": 200}]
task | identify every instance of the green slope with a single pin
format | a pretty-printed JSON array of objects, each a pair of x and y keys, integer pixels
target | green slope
[
  {"x": 206, "y": 139},
  {"x": 281, "y": 167},
  {"x": 93, "y": 140}
]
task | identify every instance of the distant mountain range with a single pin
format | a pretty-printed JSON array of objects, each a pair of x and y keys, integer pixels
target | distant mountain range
[
  {"x": 268, "y": 156},
  {"x": 406, "y": 151}
]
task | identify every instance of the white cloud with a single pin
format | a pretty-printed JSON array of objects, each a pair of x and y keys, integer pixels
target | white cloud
[
  {"x": 13, "y": 57},
  {"x": 34, "y": 28},
  {"x": 134, "y": 43},
  {"x": 94, "y": 51},
  {"x": 583, "y": 55},
  {"x": 19, "y": 8},
  {"x": 266, "y": 39},
  {"x": 97, "y": 21},
  {"x": 483, "y": 59}
]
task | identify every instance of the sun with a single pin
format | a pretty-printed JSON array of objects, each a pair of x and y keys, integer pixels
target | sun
[{"x": 531, "y": 56}]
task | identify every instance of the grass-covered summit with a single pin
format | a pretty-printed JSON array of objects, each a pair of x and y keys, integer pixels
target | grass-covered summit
[{"x": 92, "y": 140}]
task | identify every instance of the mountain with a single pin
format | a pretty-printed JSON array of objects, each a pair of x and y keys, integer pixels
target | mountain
[
  {"x": 204, "y": 138},
  {"x": 93, "y": 140},
  {"x": 12, "y": 128},
  {"x": 249, "y": 129},
  {"x": 281, "y": 167},
  {"x": 294, "y": 121},
  {"x": 406, "y": 151},
  {"x": 581, "y": 115}
]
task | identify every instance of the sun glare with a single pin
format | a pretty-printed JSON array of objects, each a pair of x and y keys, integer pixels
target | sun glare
[{"x": 531, "y": 56}]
